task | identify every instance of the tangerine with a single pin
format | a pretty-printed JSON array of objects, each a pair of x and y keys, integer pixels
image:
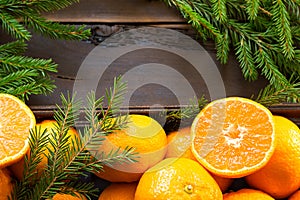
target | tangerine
[
  {"x": 148, "y": 138},
  {"x": 281, "y": 176},
  {"x": 6, "y": 184},
  {"x": 16, "y": 120},
  {"x": 247, "y": 194},
  {"x": 119, "y": 191},
  {"x": 295, "y": 196},
  {"x": 179, "y": 145},
  {"x": 233, "y": 137},
  {"x": 177, "y": 178}
]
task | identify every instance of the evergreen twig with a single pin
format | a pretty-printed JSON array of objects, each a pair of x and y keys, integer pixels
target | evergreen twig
[
  {"x": 263, "y": 34},
  {"x": 19, "y": 19},
  {"x": 67, "y": 163}
]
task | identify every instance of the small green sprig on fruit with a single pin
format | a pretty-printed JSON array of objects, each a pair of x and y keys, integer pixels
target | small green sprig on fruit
[{"x": 68, "y": 163}]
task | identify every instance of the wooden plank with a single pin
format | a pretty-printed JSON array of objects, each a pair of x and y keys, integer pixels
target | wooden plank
[
  {"x": 117, "y": 11},
  {"x": 70, "y": 55}
]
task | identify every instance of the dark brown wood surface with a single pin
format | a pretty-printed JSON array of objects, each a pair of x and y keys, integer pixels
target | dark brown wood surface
[{"x": 117, "y": 11}]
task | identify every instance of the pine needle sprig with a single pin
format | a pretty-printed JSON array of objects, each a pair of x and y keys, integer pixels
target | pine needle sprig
[
  {"x": 12, "y": 26},
  {"x": 219, "y": 9},
  {"x": 271, "y": 95},
  {"x": 68, "y": 163},
  {"x": 19, "y": 19},
  {"x": 55, "y": 30},
  {"x": 281, "y": 20},
  {"x": 244, "y": 56},
  {"x": 47, "y": 6},
  {"x": 14, "y": 63},
  {"x": 23, "y": 91},
  {"x": 252, "y": 8},
  {"x": 188, "y": 112},
  {"x": 18, "y": 16},
  {"x": 269, "y": 69},
  {"x": 264, "y": 35},
  {"x": 37, "y": 140},
  {"x": 196, "y": 20},
  {"x": 12, "y": 48},
  {"x": 23, "y": 76}
]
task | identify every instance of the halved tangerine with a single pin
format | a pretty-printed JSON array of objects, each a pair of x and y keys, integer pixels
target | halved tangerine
[
  {"x": 233, "y": 136},
  {"x": 16, "y": 120}
]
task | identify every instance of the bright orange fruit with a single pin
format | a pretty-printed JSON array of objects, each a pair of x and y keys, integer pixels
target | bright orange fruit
[
  {"x": 233, "y": 137},
  {"x": 119, "y": 191},
  {"x": 295, "y": 196},
  {"x": 179, "y": 145},
  {"x": 6, "y": 184},
  {"x": 177, "y": 178},
  {"x": 281, "y": 176},
  {"x": 148, "y": 138},
  {"x": 16, "y": 120},
  {"x": 59, "y": 196},
  {"x": 247, "y": 194}
]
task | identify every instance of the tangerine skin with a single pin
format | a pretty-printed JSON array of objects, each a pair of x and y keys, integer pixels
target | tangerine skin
[
  {"x": 281, "y": 176},
  {"x": 177, "y": 178}
]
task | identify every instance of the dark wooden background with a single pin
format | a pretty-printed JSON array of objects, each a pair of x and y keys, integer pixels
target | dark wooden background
[{"x": 107, "y": 17}]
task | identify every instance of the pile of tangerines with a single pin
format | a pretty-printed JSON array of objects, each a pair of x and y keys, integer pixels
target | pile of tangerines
[{"x": 230, "y": 139}]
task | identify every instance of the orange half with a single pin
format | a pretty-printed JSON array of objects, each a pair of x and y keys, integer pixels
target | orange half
[
  {"x": 16, "y": 120},
  {"x": 233, "y": 137}
]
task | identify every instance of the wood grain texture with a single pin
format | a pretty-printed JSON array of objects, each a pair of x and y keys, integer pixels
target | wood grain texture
[
  {"x": 70, "y": 55},
  {"x": 117, "y": 11}
]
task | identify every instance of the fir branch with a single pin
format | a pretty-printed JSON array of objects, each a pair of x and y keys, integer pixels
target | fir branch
[
  {"x": 188, "y": 112},
  {"x": 223, "y": 48},
  {"x": 236, "y": 10},
  {"x": 271, "y": 95},
  {"x": 269, "y": 69},
  {"x": 55, "y": 30},
  {"x": 13, "y": 27},
  {"x": 264, "y": 35},
  {"x": 219, "y": 10},
  {"x": 196, "y": 20},
  {"x": 12, "y": 48},
  {"x": 79, "y": 188},
  {"x": 49, "y": 5},
  {"x": 115, "y": 97},
  {"x": 252, "y": 8},
  {"x": 281, "y": 23},
  {"x": 23, "y": 62},
  {"x": 18, "y": 78},
  {"x": 244, "y": 56},
  {"x": 127, "y": 155},
  {"x": 67, "y": 163},
  {"x": 24, "y": 88},
  {"x": 37, "y": 140}
]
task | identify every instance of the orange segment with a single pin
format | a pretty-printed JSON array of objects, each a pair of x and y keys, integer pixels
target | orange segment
[
  {"x": 233, "y": 137},
  {"x": 16, "y": 119},
  {"x": 179, "y": 146}
]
